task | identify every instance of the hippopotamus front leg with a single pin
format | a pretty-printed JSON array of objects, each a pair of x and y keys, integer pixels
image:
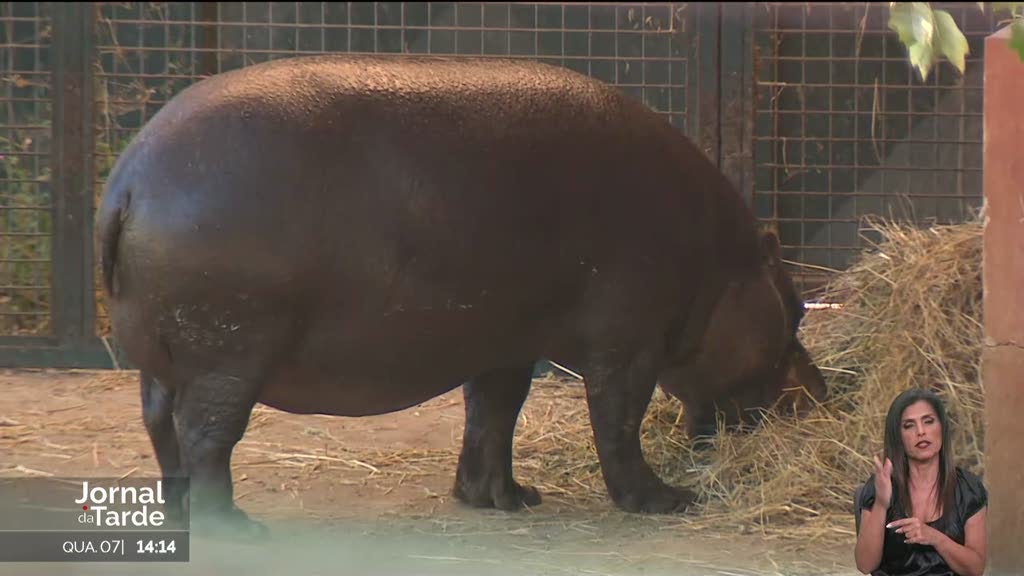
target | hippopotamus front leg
[
  {"x": 484, "y": 478},
  {"x": 619, "y": 388}
]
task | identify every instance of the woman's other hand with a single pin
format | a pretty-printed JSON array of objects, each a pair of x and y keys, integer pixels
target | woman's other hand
[{"x": 916, "y": 532}]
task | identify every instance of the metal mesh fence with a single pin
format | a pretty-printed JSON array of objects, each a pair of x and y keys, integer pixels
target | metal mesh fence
[
  {"x": 25, "y": 196},
  {"x": 148, "y": 52},
  {"x": 845, "y": 128}
]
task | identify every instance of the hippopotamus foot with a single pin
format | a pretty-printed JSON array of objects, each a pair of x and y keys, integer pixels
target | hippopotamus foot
[
  {"x": 497, "y": 494},
  {"x": 618, "y": 392},
  {"x": 484, "y": 478},
  {"x": 230, "y": 525},
  {"x": 211, "y": 413},
  {"x": 650, "y": 495}
]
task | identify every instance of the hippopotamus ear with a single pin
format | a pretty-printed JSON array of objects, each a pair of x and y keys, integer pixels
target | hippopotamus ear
[{"x": 772, "y": 251}]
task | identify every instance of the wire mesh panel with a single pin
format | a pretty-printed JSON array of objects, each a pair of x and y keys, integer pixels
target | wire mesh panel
[
  {"x": 846, "y": 128},
  {"x": 25, "y": 196},
  {"x": 148, "y": 52},
  {"x": 626, "y": 45}
]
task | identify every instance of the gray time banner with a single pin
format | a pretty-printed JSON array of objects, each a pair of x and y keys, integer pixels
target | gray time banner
[{"x": 93, "y": 546}]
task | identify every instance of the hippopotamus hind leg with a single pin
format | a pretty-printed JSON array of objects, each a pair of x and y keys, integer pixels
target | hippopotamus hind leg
[
  {"x": 211, "y": 413},
  {"x": 484, "y": 477},
  {"x": 158, "y": 417}
]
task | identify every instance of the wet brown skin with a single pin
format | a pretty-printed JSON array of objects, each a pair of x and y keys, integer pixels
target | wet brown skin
[{"x": 356, "y": 235}]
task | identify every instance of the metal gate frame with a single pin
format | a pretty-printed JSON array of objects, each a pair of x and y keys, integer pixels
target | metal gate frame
[
  {"x": 720, "y": 120},
  {"x": 72, "y": 313}
]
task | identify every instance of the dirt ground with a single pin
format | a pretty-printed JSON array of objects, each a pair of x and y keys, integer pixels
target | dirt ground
[{"x": 366, "y": 495}]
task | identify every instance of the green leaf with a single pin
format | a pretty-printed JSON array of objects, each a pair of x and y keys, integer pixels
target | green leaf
[
  {"x": 922, "y": 57},
  {"x": 1017, "y": 38},
  {"x": 949, "y": 40},
  {"x": 924, "y": 22},
  {"x": 900, "y": 22},
  {"x": 914, "y": 23}
]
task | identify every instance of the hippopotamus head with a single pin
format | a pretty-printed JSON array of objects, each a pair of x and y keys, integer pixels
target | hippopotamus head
[{"x": 749, "y": 357}]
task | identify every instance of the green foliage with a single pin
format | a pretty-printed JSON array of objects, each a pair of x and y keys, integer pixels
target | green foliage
[
  {"x": 1017, "y": 37},
  {"x": 1015, "y": 10},
  {"x": 931, "y": 35},
  {"x": 949, "y": 40}
]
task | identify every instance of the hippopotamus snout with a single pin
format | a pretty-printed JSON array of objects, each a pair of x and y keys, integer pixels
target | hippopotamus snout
[{"x": 790, "y": 389}]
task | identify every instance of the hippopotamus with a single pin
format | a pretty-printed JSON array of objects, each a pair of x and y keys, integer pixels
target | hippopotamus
[{"x": 355, "y": 235}]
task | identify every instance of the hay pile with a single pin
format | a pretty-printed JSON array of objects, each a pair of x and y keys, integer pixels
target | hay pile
[{"x": 911, "y": 316}]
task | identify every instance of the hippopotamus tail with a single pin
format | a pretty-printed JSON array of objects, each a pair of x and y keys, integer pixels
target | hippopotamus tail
[{"x": 110, "y": 220}]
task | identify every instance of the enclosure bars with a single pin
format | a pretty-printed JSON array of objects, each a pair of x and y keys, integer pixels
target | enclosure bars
[{"x": 73, "y": 342}]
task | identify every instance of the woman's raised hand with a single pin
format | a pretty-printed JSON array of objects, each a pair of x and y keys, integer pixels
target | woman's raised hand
[{"x": 883, "y": 482}]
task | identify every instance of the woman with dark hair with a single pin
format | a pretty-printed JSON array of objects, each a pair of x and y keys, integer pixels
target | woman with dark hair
[{"x": 919, "y": 513}]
